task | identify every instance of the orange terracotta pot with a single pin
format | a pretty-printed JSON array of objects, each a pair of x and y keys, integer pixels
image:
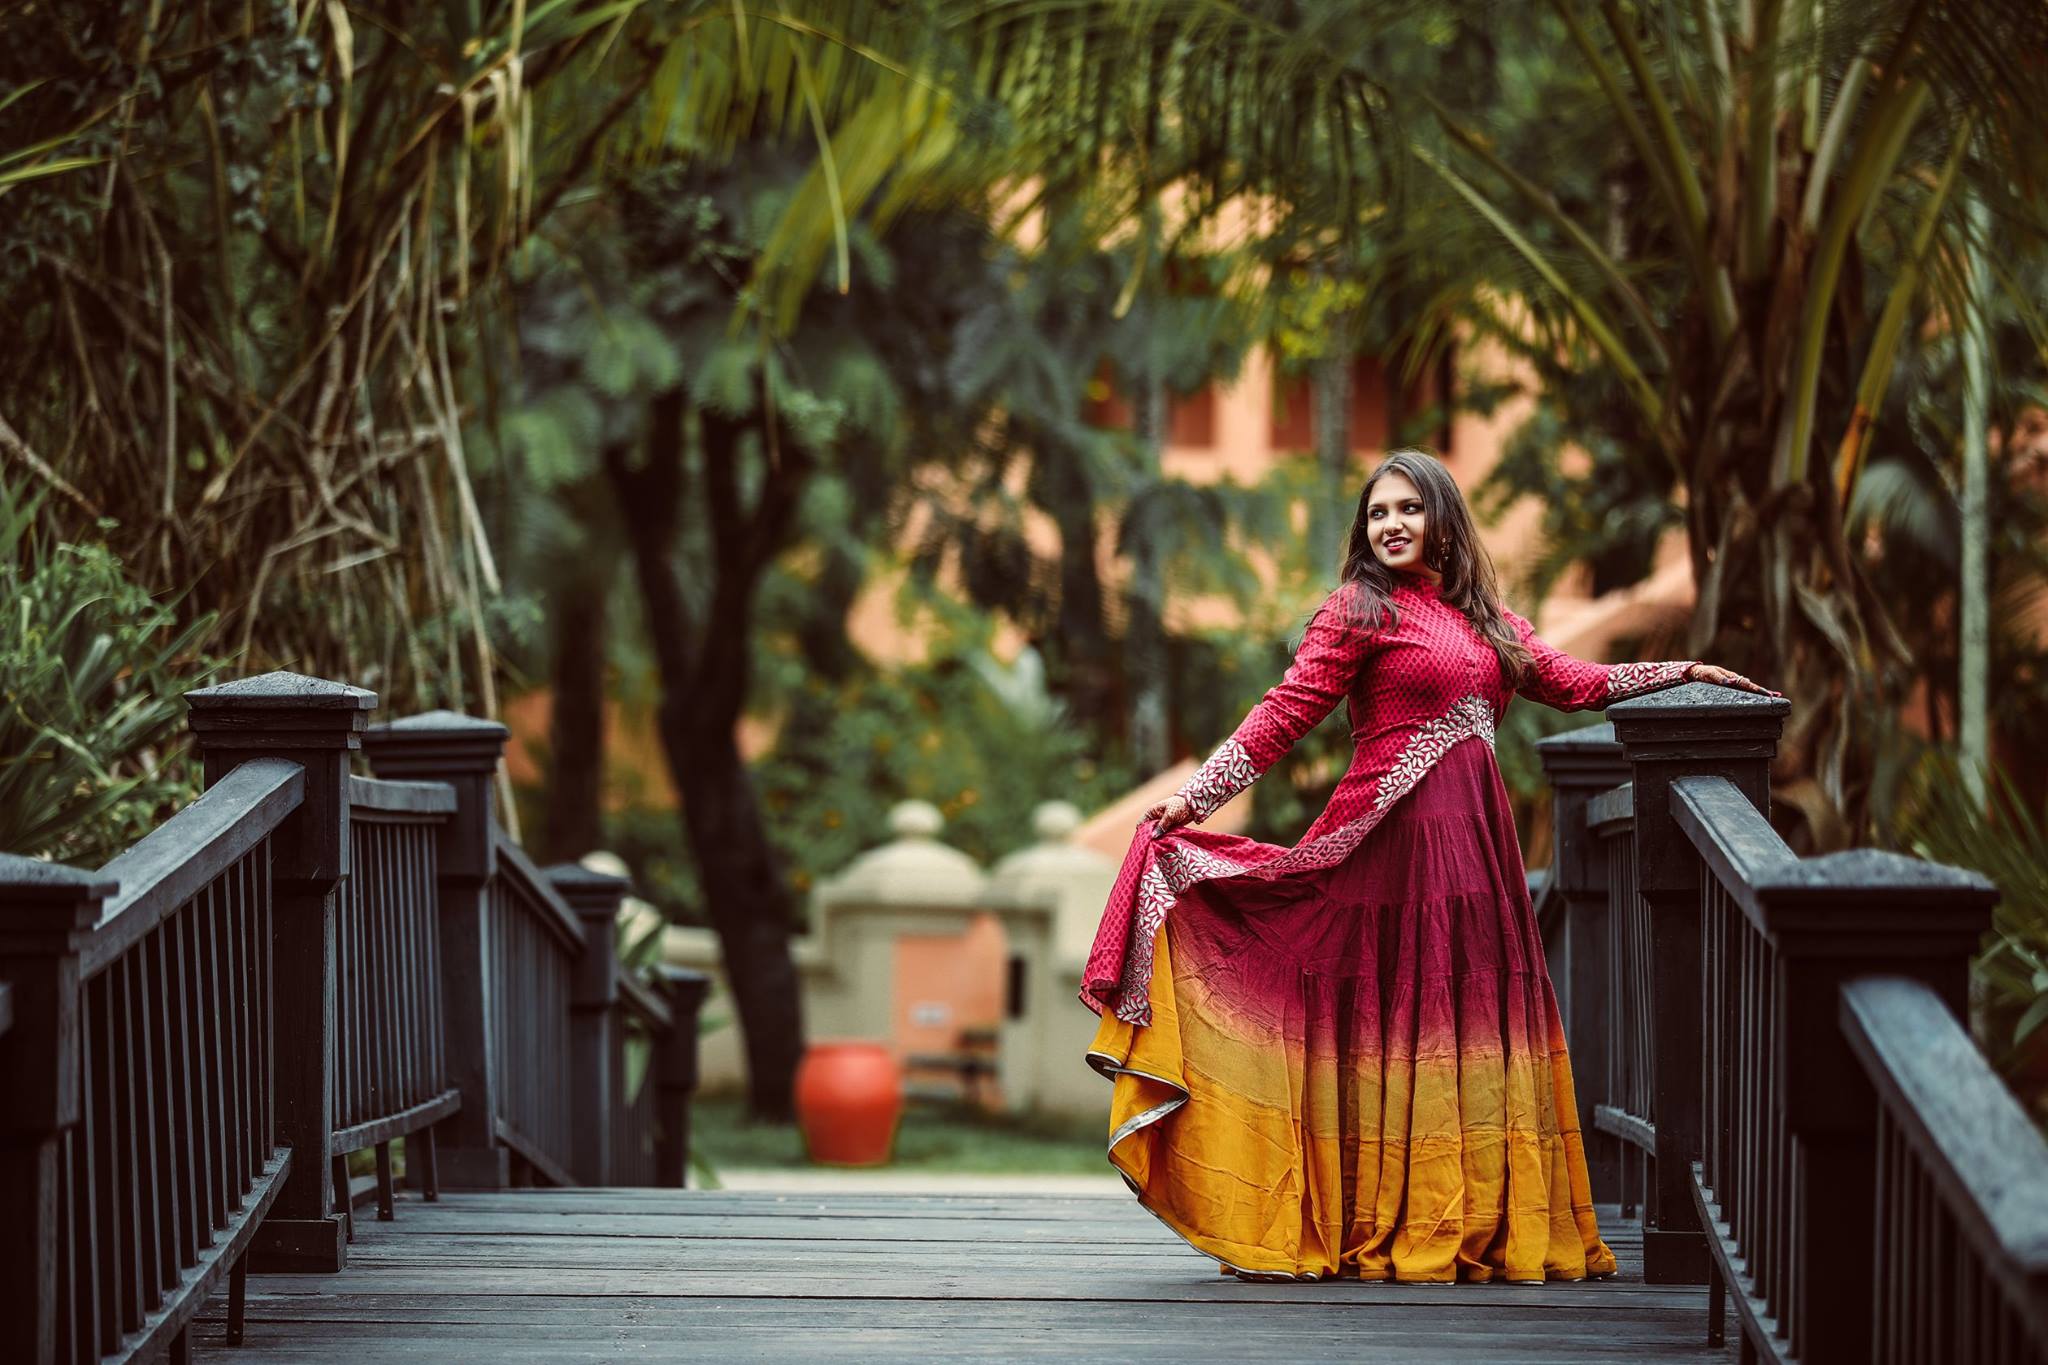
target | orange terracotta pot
[{"x": 848, "y": 1098}]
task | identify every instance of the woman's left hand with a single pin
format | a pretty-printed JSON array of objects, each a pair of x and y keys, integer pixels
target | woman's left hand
[{"x": 1726, "y": 677}]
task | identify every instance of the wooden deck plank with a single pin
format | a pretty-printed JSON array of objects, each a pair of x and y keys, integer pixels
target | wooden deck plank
[{"x": 608, "y": 1274}]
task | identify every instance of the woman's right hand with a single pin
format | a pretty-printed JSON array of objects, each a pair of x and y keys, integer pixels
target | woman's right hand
[{"x": 1169, "y": 815}]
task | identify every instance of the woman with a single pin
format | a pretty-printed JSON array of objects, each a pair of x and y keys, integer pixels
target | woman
[{"x": 1345, "y": 1058}]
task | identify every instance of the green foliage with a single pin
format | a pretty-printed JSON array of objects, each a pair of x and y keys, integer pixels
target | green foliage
[
  {"x": 982, "y": 740},
  {"x": 932, "y": 1137},
  {"x": 2006, "y": 839},
  {"x": 92, "y": 669}
]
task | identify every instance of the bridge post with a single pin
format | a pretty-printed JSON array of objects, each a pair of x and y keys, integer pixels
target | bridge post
[
  {"x": 462, "y": 751},
  {"x": 675, "y": 1075},
  {"x": 1581, "y": 764},
  {"x": 1835, "y": 918},
  {"x": 1697, "y": 729},
  {"x": 317, "y": 724},
  {"x": 47, "y": 911},
  {"x": 594, "y": 1036}
]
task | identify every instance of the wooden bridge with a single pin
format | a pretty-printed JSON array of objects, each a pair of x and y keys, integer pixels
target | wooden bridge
[
  {"x": 307, "y": 963},
  {"x": 574, "y": 1275}
]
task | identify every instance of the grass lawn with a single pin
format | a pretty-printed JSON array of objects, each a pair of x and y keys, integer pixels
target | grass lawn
[{"x": 931, "y": 1137}]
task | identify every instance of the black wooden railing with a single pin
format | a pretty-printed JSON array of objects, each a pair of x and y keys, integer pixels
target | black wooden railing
[
  {"x": 390, "y": 1062},
  {"x": 1769, "y": 1058},
  {"x": 301, "y": 964}
]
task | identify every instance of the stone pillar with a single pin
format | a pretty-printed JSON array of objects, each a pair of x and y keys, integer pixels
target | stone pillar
[
  {"x": 1697, "y": 729},
  {"x": 463, "y": 751},
  {"x": 46, "y": 914},
  {"x": 1581, "y": 764},
  {"x": 318, "y": 725},
  {"x": 594, "y": 1034}
]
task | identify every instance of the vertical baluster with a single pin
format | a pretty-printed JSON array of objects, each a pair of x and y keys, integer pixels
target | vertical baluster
[
  {"x": 152, "y": 1232},
  {"x": 206, "y": 1191},
  {"x": 405, "y": 897},
  {"x": 401, "y": 918},
  {"x": 1773, "y": 1169},
  {"x": 95, "y": 1326},
  {"x": 1881, "y": 1349},
  {"x": 206, "y": 1062},
  {"x": 185, "y": 1183},
  {"x": 369, "y": 897},
  {"x": 497, "y": 948},
  {"x": 1743, "y": 1215},
  {"x": 191, "y": 1120},
  {"x": 237, "y": 1032},
  {"x": 1965, "y": 1298},
  {"x": 1900, "y": 1230},
  {"x": 137, "y": 1200},
  {"x": 109, "y": 1239},
  {"x": 254, "y": 1021},
  {"x": 388, "y": 978},
  {"x": 265, "y": 928},
  {"x": 1711, "y": 1059},
  {"x": 342, "y": 1085},
  {"x": 430, "y": 892},
  {"x": 418, "y": 993},
  {"x": 152, "y": 953},
  {"x": 74, "y": 1233}
]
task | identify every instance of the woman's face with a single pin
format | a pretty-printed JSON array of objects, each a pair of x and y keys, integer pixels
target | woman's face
[{"x": 1396, "y": 524}]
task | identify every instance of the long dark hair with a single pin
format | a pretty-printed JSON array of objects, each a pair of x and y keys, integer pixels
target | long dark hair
[{"x": 1450, "y": 545}]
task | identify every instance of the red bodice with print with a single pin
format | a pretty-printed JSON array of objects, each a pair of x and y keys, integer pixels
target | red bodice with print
[{"x": 1413, "y": 690}]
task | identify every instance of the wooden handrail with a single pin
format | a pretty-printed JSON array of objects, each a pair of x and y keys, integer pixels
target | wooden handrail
[
  {"x": 300, "y": 961},
  {"x": 186, "y": 852},
  {"x": 536, "y": 893},
  {"x": 1793, "y": 1101},
  {"x": 1610, "y": 810},
  {"x": 1964, "y": 1129},
  {"x": 375, "y": 796},
  {"x": 636, "y": 996}
]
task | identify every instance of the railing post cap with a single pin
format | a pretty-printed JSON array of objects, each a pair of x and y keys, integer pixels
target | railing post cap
[
  {"x": 1599, "y": 736},
  {"x": 1591, "y": 749},
  {"x": 1698, "y": 703},
  {"x": 685, "y": 984},
  {"x": 282, "y": 690},
  {"x": 279, "y": 710},
  {"x": 1874, "y": 876},
  {"x": 436, "y": 742},
  {"x": 45, "y": 906},
  {"x": 591, "y": 894},
  {"x": 35, "y": 879}
]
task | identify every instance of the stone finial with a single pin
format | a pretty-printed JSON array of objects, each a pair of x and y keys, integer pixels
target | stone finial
[
  {"x": 915, "y": 820},
  {"x": 914, "y": 868},
  {"x": 1054, "y": 822}
]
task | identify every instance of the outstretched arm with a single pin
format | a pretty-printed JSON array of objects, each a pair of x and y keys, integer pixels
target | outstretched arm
[
  {"x": 1331, "y": 652},
  {"x": 1557, "y": 679}
]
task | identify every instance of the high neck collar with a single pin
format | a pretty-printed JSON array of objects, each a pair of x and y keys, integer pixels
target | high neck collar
[{"x": 1416, "y": 583}]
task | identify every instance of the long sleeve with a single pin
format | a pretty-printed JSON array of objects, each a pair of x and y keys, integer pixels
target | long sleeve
[
  {"x": 1557, "y": 679},
  {"x": 1332, "y": 650}
]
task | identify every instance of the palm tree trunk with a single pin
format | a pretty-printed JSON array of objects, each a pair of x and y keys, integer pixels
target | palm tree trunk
[
  {"x": 1331, "y": 406},
  {"x": 1080, "y": 652},
  {"x": 1144, "y": 625},
  {"x": 1973, "y": 683},
  {"x": 702, "y": 659},
  {"x": 574, "y": 821}
]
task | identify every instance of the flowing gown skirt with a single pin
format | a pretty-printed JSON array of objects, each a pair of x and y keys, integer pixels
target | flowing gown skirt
[{"x": 1360, "y": 1069}]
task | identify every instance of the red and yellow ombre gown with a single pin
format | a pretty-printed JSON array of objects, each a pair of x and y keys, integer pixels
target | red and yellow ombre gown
[{"x": 1345, "y": 1058}]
